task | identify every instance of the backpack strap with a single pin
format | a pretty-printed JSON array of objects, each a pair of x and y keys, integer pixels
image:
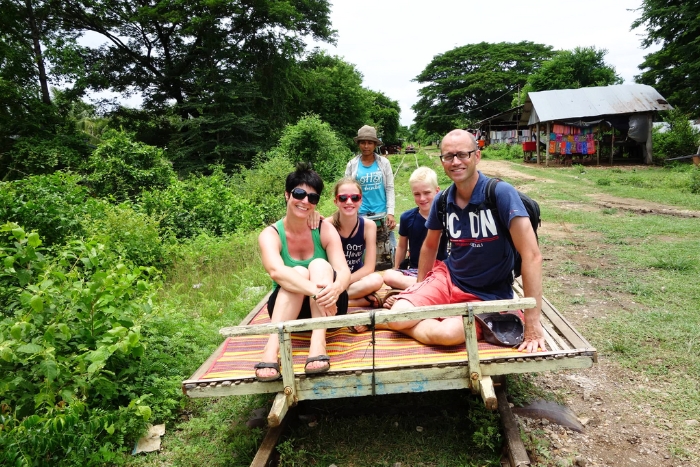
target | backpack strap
[
  {"x": 442, "y": 211},
  {"x": 492, "y": 204}
]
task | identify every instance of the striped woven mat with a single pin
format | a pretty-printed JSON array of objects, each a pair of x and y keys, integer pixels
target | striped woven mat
[{"x": 348, "y": 351}]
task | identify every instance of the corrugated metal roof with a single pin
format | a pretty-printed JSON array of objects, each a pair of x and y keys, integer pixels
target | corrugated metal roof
[{"x": 594, "y": 102}]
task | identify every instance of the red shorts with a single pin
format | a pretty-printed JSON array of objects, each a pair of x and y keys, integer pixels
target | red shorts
[{"x": 437, "y": 289}]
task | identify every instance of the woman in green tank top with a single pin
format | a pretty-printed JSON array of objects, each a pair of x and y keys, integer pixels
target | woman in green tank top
[{"x": 308, "y": 270}]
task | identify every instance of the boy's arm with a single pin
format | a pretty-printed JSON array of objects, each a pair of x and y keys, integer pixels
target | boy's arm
[
  {"x": 401, "y": 250},
  {"x": 428, "y": 253}
]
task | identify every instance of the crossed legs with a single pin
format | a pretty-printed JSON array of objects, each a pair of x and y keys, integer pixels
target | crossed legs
[{"x": 287, "y": 307}]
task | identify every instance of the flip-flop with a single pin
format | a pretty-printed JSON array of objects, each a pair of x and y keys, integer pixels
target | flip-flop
[
  {"x": 392, "y": 293},
  {"x": 273, "y": 365},
  {"x": 318, "y": 358},
  {"x": 377, "y": 299}
]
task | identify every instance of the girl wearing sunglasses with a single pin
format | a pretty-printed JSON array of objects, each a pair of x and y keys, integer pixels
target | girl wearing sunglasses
[
  {"x": 308, "y": 270},
  {"x": 359, "y": 238}
]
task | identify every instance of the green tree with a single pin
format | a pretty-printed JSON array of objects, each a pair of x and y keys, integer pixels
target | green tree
[
  {"x": 122, "y": 168},
  {"x": 571, "y": 69},
  {"x": 674, "y": 70},
  {"x": 384, "y": 115},
  {"x": 313, "y": 140},
  {"x": 474, "y": 81},
  {"x": 331, "y": 88},
  {"x": 217, "y": 68}
]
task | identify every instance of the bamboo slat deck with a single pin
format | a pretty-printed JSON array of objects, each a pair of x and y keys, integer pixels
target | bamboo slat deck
[{"x": 394, "y": 364}]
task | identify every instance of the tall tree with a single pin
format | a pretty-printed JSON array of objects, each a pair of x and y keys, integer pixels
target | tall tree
[
  {"x": 571, "y": 69},
  {"x": 674, "y": 70},
  {"x": 474, "y": 81},
  {"x": 384, "y": 114},
  {"x": 218, "y": 65},
  {"x": 331, "y": 88}
]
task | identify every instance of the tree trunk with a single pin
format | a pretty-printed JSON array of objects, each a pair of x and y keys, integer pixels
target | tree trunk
[{"x": 43, "y": 81}]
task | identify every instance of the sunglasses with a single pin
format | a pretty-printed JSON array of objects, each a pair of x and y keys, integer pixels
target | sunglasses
[
  {"x": 355, "y": 198},
  {"x": 300, "y": 193}
]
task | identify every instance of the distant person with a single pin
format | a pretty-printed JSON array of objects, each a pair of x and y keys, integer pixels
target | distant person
[
  {"x": 481, "y": 261},
  {"x": 359, "y": 238},
  {"x": 373, "y": 172},
  {"x": 308, "y": 270},
  {"x": 412, "y": 232}
]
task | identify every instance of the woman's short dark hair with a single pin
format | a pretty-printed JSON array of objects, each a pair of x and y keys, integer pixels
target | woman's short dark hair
[{"x": 304, "y": 175}]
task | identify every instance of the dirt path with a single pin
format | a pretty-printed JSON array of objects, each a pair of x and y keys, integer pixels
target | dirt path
[{"x": 618, "y": 432}]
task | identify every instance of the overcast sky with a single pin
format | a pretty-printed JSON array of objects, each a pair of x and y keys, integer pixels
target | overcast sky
[{"x": 392, "y": 41}]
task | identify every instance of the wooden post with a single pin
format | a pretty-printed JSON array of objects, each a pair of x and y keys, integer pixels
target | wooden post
[
  {"x": 612, "y": 144},
  {"x": 537, "y": 138},
  {"x": 288, "y": 397},
  {"x": 648, "y": 150},
  {"x": 597, "y": 149},
  {"x": 546, "y": 151},
  {"x": 488, "y": 394},
  {"x": 472, "y": 350}
]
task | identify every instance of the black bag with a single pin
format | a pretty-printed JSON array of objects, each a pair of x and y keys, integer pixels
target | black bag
[{"x": 531, "y": 206}]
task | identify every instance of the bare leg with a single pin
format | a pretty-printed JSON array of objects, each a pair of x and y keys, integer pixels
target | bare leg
[
  {"x": 365, "y": 286},
  {"x": 287, "y": 307},
  {"x": 320, "y": 272},
  {"x": 397, "y": 279}
]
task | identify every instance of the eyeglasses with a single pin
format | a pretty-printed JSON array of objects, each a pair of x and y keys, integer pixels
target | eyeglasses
[
  {"x": 463, "y": 156},
  {"x": 300, "y": 193},
  {"x": 355, "y": 198}
]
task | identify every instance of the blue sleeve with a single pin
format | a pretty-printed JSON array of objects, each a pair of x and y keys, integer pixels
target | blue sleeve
[
  {"x": 433, "y": 223},
  {"x": 404, "y": 227}
]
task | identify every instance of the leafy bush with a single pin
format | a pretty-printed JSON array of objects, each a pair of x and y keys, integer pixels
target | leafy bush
[
  {"x": 680, "y": 139},
  {"x": 313, "y": 140},
  {"x": 53, "y": 205},
  {"x": 68, "y": 343},
  {"x": 695, "y": 180},
  {"x": 132, "y": 235},
  {"x": 215, "y": 204},
  {"x": 39, "y": 155},
  {"x": 122, "y": 168}
]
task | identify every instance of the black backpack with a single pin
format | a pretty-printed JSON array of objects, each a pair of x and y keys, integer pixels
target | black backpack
[{"x": 531, "y": 206}]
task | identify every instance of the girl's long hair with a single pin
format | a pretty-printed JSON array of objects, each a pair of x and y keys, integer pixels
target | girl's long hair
[{"x": 335, "y": 218}]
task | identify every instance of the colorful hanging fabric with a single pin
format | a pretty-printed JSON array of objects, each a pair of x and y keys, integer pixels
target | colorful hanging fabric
[
  {"x": 591, "y": 147},
  {"x": 552, "y": 147},
  {"x": 584, "y": 148}
]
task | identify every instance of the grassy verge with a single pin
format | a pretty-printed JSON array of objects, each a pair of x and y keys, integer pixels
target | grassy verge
[{"x": 643, "y": 267}]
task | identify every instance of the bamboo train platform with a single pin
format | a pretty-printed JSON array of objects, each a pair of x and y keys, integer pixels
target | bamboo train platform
[{"x": 387, "y": 362}]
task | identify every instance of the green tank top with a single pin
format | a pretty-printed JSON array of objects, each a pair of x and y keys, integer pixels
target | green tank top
[{"x": 319, "y": 252}]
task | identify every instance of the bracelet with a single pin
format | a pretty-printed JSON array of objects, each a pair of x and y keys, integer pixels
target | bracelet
[{"x": 314, "y": 295}]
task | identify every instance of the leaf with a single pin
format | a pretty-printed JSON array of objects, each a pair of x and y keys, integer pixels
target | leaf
[
  {"x": 30, "y": 348},
  {"x": 18, "y": 233},
  {"x": 33, "y": 240},
  {"x": 109, "y": 428},
  {"x": 37, "y": 303},
  {"x": 144, "y": 411},
  {"x": 49, "y": 368}
]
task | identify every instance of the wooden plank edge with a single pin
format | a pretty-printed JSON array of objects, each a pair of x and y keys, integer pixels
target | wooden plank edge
[
  {"x": 488, "y": 394},
  {"x": 203, "y": 367},
  {"x": 249, "y": 317},
  {"x": 516, "y": 449},
  {"x": 268, "y": 445},
  {"x": 278, "y": 410}
]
